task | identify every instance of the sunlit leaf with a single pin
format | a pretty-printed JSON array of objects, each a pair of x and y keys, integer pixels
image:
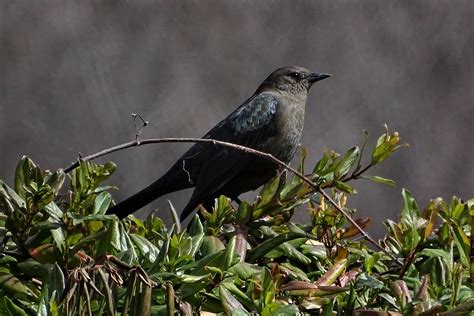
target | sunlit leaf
[
  {"x": 293, "y": 271},
  {"x": 462, "y": 244},
  {"x": 333, "y": 273},
  {"x": 410, "y": 216},
  {"x": 386, "y": 181},
  {"x": 245, "y": 270},
  {"x": 55, "y": 180},
  {"x": 279, "y": 308},
  {"x": 347, "y": 162},
  {"x": 197, "y": 234},
  {"x": 321, "y": 164},
  {"x": 269, "y": 244},
  {"x": 268, "y": 191},
  {"x": 102, "y": 202},
  {"x": 146, "y": 248}
]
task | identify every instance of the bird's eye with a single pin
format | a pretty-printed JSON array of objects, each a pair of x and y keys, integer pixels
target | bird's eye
[{"x": 297, "y": 75}]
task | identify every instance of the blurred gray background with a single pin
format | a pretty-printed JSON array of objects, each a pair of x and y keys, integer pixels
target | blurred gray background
[{"x": 71, "y": 72}]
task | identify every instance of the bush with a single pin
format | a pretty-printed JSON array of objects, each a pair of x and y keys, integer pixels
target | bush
[{"x": 62, "y": 254}]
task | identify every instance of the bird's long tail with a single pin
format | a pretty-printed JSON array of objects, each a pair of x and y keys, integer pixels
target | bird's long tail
[
  {"x": 174, "y": 180},
  {"x": 139, "y": 199}
]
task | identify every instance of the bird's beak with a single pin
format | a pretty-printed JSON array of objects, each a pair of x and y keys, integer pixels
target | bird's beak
[{"x": 314, "y": 76}]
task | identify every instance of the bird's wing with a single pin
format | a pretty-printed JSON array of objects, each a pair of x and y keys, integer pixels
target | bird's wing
[
  {"x": 249, "y": 125},
  {"x": 254, "y": 116}
]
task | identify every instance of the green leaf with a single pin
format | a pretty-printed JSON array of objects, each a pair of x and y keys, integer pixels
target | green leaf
[
  {"x": 286, "y": 249},
  {"x": 437, "y": 268},
  {"x": 394, "y": 230},
  {"x": 46, "y": 225},
  {"x": 365, "y": 280},
  {"x": 103, "y": 188},
  {"x": 378, "y": 179},
  {"x": 302, "y": 288},
  {"x": 202, "y": 266},
  {"x": 333, "y": 273},
  {"x": 13, "y": 202},
  {"x": 26, "y": 172},
  {"x": 54, "y": 211},
  {"x": 56, "y": 280},
  {"x": 145, "y": 247},
  {"x": 83, "y": 241},
  {"x": 344, "y": 187},
  {"x": 347, "y": 162},
  {"x": 268, "y": 192},
  {"x": 239, "y": 295},
  {"x": 44, "y": 253},
  {"x": 322, "y": 163},
  {"x": 409, "y": 218},
  {"x": 291, "y": 189},
  {"x": 189, "y": 290},
  {"x": 435, "y": 253},
  {"x": 263, "y": 248},
  {"x": 33, "y": 268},
  {"x": 386, "y": 145},
  {"x": 370, "y": 261},
  {"x": 268, "y": 288},
  {"x": 211, "y": 245},
  {"x": 111, "y": 239},
  {"x": 315, "y": 249},
  {"x": 79, "y": 219},
  {"x": 277, "y": 308},
  {"x": 52, "y": 290},
  {"x": 390, "y": 299},
  {"x": 293, "y": 271},
  {"x": 186, "y": 278},
  {"x": 7, "y": 307},
  {"x": 245, "y": 270},
  {"x": 59, "y": 239},
  {"x": 102, "y": 202},
  {"x": 230, "y": 257},
  {"x": 462, "y": 244},
  {"x": 185, "y": 245},
  {"x": 231, "y": 305},
  {"x": 244, "y": 213},
  {"x": 197, "y": 235},
  {"x": 13, "y": 286},
  {"x": 55, "y": 180}
]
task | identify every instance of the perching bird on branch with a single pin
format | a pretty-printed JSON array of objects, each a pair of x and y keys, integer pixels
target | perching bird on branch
[{"x": 271, "y": 120}]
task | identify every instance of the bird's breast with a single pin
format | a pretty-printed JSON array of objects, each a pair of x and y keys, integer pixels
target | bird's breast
[{"x": 284, "y": 143}]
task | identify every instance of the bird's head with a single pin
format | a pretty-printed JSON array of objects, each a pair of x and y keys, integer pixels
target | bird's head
[{"x": 291, "y": 79}]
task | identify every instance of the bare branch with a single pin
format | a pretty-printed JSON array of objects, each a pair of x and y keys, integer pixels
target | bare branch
[{"x": 244, "y": 149}]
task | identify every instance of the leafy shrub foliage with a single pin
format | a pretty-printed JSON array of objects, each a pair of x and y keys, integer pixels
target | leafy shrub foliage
[{"x": 60, "y": 253}]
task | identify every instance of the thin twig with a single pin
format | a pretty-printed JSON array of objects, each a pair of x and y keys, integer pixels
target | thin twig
[
  {"x": 137, "y": 129},
  {"x": 244, "y": 149},
  {"x": 356, "y": 175}
]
